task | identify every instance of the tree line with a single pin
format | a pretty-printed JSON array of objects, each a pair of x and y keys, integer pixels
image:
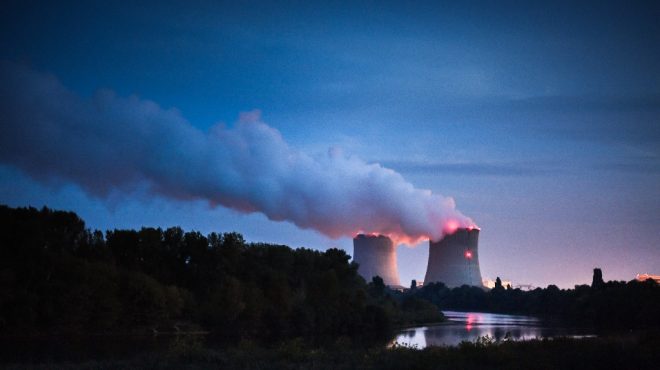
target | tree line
[
  {"x": 59, "y": 277},
  {"x": 608, "y": 305}
]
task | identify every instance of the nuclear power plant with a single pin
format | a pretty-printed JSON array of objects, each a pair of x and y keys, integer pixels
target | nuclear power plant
[
  {"x": 376, "y": 256},
  {"x": 454, "y": 260}
]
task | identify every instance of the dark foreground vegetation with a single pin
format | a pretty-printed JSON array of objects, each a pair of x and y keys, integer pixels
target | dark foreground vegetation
[
  {"x": 565, "y": 354},
  {"x": 59, "y": 278},
  {"x": 222, "y": 302}
]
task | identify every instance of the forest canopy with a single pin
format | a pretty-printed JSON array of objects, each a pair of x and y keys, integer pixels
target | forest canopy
[{"x": 57, "y": 276}]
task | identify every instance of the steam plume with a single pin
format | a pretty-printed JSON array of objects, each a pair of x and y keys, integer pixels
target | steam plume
[{"x": 106, "y": 143}]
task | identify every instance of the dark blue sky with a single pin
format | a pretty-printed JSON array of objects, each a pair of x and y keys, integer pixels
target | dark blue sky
[{"x": 541, "y": 120}]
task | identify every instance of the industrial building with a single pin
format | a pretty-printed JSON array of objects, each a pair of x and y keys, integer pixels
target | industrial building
[
  {"x": 376, "y": 256},
  {"x": 454, "y": 259}
]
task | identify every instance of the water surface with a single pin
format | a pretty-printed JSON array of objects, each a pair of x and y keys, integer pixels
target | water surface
[{"x": 468, "y": 326}]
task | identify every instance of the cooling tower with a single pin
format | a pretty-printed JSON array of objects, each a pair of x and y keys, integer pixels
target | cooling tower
[
  {"x": 376, "y": 256},
  {"x": 454, "y": 260}
]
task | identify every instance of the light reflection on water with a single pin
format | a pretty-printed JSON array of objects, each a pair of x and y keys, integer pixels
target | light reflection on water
[{"x": 468, "y": 326}]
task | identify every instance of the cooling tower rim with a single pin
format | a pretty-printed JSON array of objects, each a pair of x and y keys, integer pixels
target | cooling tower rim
[
  {"x": 369, "y": 236},
  {"x": 467, "y": 230}
]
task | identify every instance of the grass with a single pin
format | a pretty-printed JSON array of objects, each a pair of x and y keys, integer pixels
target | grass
[{"x": 562, "y": 353}]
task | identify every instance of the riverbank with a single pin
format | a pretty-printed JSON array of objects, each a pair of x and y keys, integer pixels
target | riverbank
[{"x": 561, "y": 353}]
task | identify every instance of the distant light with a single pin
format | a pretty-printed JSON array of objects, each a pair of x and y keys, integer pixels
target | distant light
[{"x": 468, "y": 255}]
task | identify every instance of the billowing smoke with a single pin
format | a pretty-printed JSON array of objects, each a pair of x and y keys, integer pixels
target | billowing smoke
[{"x": 107, "y": 143}]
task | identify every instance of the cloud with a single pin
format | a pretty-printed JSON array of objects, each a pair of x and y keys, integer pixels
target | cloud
[
  {"x": 467, "y": 169},
  {"x": 107, "y": 143},
  {"x": 640, "y": 167}
]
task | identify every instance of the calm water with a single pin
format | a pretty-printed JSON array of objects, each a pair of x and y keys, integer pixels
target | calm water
[{"x": 468, "y": 326}]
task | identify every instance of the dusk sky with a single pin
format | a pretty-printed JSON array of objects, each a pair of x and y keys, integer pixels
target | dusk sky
[{"x": 540, "y": 119}]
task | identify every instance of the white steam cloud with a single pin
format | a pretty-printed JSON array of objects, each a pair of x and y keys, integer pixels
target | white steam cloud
[{"x": 107, "y": 143}]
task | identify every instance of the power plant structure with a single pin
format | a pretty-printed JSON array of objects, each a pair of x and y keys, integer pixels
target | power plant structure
[
  {"x": 454, "y": 259},
  {"x": 376, "y": 256}
]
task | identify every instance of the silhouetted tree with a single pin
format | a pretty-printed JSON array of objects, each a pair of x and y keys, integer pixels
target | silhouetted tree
[
  {"x": 377, "y": 286},
  {"x": 498, "y": 285}
]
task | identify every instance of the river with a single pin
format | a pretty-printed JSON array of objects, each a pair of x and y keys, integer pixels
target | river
[{"x": 468, "y": 326}]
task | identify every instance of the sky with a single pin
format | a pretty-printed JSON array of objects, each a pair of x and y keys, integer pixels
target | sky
[{"x": 539, "y": 120}]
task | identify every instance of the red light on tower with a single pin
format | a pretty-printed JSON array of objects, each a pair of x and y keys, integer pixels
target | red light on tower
[{"x": 468, "y": 255}]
